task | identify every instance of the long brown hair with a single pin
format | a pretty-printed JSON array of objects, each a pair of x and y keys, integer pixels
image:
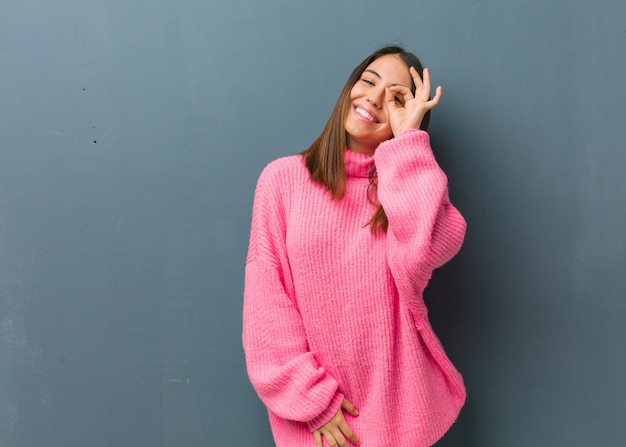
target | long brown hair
[{"x": 325, "y": 157}]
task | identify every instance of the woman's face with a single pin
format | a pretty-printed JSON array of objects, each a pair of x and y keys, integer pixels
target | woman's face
[{"x": 367, "y": 121}]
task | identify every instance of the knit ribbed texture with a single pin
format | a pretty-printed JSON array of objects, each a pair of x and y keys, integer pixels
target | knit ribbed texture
[{"x": 332, "y": 310}]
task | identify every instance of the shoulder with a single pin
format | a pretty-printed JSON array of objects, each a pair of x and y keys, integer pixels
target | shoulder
[
  {"x": 282, "y": 171},
  {"x": 277, "y": 184},
  {"x": 284, "y": 165}
]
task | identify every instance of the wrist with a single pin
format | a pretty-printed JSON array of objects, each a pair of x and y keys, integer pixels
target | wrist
[{"x": 327, "y": 414}]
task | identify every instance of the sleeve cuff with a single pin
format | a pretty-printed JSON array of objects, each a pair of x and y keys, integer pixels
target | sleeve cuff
[{"x": 328, "y": 413}]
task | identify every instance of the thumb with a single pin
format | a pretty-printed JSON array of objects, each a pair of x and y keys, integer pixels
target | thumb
[
  {"x": 349, "y": 407},
  {"x": 390, "y": 100}
]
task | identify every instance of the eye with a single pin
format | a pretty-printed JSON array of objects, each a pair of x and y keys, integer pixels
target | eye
[
  {"x": 367, "y": 81},
  {"x": 398, "y": 100}
]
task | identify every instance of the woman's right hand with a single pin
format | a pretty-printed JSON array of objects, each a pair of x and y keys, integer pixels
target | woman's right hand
[{"x": 337, "y": 429}]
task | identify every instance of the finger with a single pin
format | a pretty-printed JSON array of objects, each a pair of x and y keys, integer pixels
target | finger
[
  {"x": 330, "y": 439},
  {"x": 347, "y": 431},
  {"x": 395, "y": 100},
  {"x": 349, "y": 407},
  {"x": 340, "y": 440},
  {"x": 417, "y": 80},
  {"x": 437, "y": 97},
  {"x": 318, "y": 438},
  {"x": 390, "y": 100},
  {"x": 426, "y": 85},
  {"x": 405, "y": 93}
]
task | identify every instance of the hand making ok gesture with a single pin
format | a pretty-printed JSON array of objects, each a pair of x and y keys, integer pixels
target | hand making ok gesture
[{"x": 406, "y": 111}]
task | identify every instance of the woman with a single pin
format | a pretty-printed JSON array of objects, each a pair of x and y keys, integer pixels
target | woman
[{"x": 344, "y": 239}]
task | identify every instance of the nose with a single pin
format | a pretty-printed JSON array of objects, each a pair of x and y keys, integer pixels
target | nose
[{"x": 376, "y": 98}]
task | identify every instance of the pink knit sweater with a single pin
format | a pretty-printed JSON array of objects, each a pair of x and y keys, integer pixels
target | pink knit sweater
[{"x": 332, "y": 310}]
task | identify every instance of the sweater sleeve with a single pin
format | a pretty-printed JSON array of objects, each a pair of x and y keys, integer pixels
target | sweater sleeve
[
  {"x": 284, "y": 373},
  {"x": 425, "y": 229}
]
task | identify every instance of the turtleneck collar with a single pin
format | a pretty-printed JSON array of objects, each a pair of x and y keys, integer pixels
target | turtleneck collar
[{"x": 357, "y": 164}]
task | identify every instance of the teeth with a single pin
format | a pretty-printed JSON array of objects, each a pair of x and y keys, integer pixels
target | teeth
[{"x": 365, "y": 115}]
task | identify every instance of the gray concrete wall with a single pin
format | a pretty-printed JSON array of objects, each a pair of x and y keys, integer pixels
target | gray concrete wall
[{"x": 131, "y": 137}]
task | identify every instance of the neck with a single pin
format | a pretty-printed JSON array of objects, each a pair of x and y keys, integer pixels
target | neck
[{"x": 361, "y": 148}]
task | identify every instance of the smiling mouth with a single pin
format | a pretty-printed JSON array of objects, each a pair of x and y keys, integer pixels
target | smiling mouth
[{"x": 364, "y": 114}]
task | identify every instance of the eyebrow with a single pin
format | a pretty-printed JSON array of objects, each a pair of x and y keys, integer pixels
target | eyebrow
[
  {"x": 373, "y": 72},
  {"x": 369, "y": 70}
]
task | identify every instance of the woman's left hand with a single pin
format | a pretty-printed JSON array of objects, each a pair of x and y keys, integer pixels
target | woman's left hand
[{"x": 406, "y": 111}]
